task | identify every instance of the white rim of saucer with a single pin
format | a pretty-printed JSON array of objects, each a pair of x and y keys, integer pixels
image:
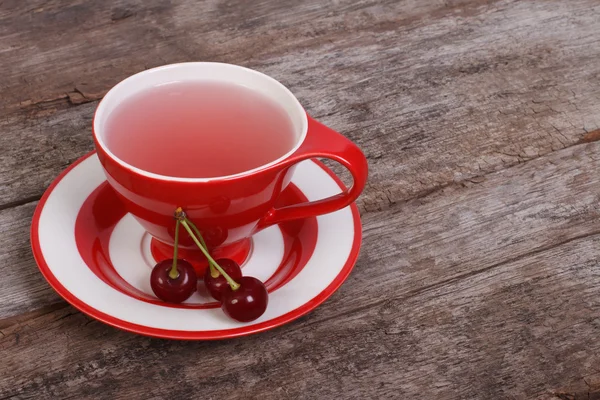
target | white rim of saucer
[{"x": 55, "y": 250}]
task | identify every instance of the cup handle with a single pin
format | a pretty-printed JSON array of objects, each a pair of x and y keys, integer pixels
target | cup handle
[{"x": 340, "y": 149}]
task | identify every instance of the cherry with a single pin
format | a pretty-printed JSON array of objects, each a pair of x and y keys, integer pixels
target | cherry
[
  {"x": 174, "y": 280},
  {"x": 247, "y": 302},
  {"x": 173, "y": 290},
  {"x": 215, "y": 282},
  {"x": 244, "y": 300}
]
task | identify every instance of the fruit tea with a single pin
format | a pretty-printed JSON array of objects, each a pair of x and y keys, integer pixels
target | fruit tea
[{"x": 201, "y": 129}]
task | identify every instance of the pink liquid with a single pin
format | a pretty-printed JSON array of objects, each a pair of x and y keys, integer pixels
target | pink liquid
[{"x": 199, "y": 130}]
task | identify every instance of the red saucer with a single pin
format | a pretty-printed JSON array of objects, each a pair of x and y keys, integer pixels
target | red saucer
[{"x": 99, "y": 259}]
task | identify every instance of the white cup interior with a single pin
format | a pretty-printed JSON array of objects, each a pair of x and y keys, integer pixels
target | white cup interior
[{"x": 199, "y": 71}]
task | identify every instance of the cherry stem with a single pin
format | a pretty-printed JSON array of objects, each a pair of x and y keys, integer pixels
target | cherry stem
[
  {"x": 213, "y": 271},
  {"x": 173, "y": 273},
  {"x": 233, "y": 284}
]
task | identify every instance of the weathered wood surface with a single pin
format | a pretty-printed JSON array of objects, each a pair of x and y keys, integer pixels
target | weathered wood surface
[
  {"x": 479, "y": 276},
  {"x": 488, "y": 290},
  {"x": 414, "y": 245},
  {"x": 435, "y": 93},
  {"x": 501, "y": 334}
]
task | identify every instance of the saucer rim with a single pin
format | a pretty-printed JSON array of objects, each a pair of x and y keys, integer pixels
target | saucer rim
[{"x": 191, "y": 335}]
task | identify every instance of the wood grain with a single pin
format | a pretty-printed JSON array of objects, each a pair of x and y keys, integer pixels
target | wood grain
[
  {"x": 417, "y": 244},
  {"x": 22, "y": 287},
  {"x": 434, "y": 94},
  {"x": 455, "y": 295},
  {"x": 479, "y": 276},
  {"x": 516, "y": 331}
]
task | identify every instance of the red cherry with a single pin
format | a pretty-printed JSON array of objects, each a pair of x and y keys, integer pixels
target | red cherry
[
  {"x": 248, "y": 302},
  {"x": 215, "y": 286},
  {"x": 173, "y": 290}
]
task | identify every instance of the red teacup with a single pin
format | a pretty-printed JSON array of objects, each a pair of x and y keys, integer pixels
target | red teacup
[{"x": 231, "y": 208}]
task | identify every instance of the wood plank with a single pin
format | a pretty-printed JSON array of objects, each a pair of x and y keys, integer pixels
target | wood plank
[
  {"x": 413, "y": 246},
  {"x": 22, "y": 287},
  {"x": 434, "y": 94},
  {"x": 78, "y": 50},
  {"x": 517, "y": 331},
  {"x": 425, "y": 310},
  {"x": 488, "y": 288},
  {"x": 35, "y": 150}
]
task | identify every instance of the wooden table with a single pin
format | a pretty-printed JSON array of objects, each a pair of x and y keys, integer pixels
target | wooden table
[{"x": 479, "y": 276}]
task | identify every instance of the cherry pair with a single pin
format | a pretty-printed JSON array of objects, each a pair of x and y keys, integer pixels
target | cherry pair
[{"x": 242, "y": 298}]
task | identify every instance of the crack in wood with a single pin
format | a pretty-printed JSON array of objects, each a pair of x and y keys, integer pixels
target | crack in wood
[
  {"x": 21, "y": 202},
  {"x": 71, "y": 99},
  {"x": 23, "y": 318},
  {"x": 121, "y": 13}
]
